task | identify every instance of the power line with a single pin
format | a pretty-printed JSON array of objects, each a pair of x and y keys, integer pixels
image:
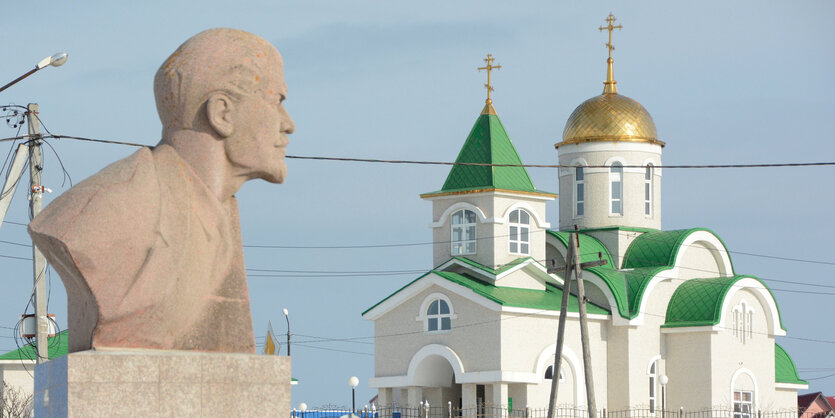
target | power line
[{"x": 449, "y": 163}]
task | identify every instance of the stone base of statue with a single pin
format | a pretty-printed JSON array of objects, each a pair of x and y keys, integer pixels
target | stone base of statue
[{"x": 99, "y": 383}]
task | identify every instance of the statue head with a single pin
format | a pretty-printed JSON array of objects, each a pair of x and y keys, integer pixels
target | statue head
[{"x": 228, "y": 85}]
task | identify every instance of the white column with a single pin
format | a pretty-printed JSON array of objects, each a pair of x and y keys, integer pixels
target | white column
[
  {"x": 385, "y": 401},
  {"x": 499, "y": 397},
  {"x": 384, "y": 397},
  {"x": 468, "y": 400},
  {"x": 415, "y": 397}
]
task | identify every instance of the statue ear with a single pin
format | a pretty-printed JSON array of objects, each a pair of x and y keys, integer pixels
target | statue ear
[{"x": 219, "y": 110}]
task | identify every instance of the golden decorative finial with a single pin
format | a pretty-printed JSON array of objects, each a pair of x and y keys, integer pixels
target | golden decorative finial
[
  {"x": 610, "y": 85},
  {"x": 489, "y": 67}
]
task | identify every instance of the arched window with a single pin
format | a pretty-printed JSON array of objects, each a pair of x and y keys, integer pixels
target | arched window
[
  {"x": 579, "y": 192},
  {"x": 648, "y": 176},
  {"x": 743, "y": 404},
  {"x": 616, "y": 188},
  {"x": 463, "y": 232},
  {"x": 653, "y": 374},
  {"x": 438, "y": 316},
  {"x": 549, "y": 373},
  {"x": 519, "y": 229},
  {"x": 743, "y": 322}
]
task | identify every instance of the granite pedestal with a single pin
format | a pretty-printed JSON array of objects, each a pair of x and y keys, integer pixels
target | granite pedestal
[{"x": 151, "y": 383}]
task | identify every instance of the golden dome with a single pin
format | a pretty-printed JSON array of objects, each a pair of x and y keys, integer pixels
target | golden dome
[{"x": 610, "y": 117}]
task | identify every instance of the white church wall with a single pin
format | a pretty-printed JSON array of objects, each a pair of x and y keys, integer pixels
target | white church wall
[
  {"x": 784, "y": 399},
  {"x": 644, "y": 344},
  {"x": 736, "y": 362},
  {"x": 528, "y": 344},
  {"x": 701, "y": 260},
  {"x": 19, "y": 375},
  {"x": 521, "y": 280},
  {"x": 688, "y": 367},
  {"x": 472, "y": 330}
]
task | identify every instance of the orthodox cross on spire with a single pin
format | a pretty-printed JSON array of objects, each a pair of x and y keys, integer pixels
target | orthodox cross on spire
[
  {"x": 610, "y": 85},
  {"x": 489, "y": 67},
  {"x": 610, "y": 20}
]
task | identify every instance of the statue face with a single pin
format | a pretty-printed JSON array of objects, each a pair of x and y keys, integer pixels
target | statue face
[{"x": 257, "y": 146}]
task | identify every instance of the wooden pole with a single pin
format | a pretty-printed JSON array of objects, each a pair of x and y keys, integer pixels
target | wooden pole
[
  {"x": 584, "y": 330},
  {"x": 566, "y": 291}
]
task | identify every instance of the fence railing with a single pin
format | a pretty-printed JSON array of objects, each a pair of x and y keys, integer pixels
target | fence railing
[{"x": 486, "y": 411}]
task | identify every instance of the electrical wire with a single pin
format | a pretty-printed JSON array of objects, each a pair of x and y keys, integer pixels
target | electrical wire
[{"x": 448, "y": 163}]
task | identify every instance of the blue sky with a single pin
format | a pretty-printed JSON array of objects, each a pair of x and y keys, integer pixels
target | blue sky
[{"x": 726, "y": 82}]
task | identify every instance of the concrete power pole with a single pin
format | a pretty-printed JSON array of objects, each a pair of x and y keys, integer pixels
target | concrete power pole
[{"x": 36, "y": 190}]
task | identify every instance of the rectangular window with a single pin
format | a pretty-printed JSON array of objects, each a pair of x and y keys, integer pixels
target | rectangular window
[
  {"x": 579, "y": 195},
  {"x": 648, "y": 191},
  {"x": 743, "y": 404},
  {"x": 616, "y": 189}
]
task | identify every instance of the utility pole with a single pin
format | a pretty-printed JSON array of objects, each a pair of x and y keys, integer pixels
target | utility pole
[
  {"x": 572, "y": 263},
  {"x": 566, "y": 290},
  {"x": 584, "y": 329},
  {"x": 35, "y": 204}
]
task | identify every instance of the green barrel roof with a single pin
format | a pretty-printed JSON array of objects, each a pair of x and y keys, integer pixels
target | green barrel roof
[
  {"x": 698, "y": 302},
  {"x": 488, "y": 143},
  {"x": 784, "y": 369},
  {"x": 57, "y": 348},
  {"x": 658, "y": 248}
]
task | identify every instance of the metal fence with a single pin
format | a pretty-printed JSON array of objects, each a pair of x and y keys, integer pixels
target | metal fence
[{"x": 486, "y": 411}]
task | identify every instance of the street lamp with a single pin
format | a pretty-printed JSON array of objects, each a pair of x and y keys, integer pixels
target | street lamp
[
  {"x": 56, "y": 60},
  {"x": 663, "y": 380},
  {"x": 353, "y": 381},
  {"x": 287, "y": 317}
]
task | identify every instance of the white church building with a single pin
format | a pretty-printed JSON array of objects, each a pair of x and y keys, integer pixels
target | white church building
[{"x": 480, "y": 328}]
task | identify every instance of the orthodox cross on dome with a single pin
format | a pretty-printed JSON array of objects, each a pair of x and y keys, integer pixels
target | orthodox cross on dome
[
  {"x": 489, "y": 67},
  {"x": 610, "y": 85},
  {"x": 611, "y": 19}
]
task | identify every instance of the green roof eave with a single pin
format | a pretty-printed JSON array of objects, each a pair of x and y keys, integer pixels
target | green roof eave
[
  {"x": 492, "y": 271},
  {"x": 488, "y": 144},
  {"x": 785, "y": 370},
  {"x": 549, "y": 299},
  {"x": 480, "y": 189},
  {"x": 590, "y": 247},
  {"x": 395, "y": 292},
  {"x": 57, "y": 348}
]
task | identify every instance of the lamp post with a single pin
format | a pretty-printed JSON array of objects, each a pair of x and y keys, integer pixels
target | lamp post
[
  {"x": 353, "y": 381},
  {"x": 56, "y": 60},
  {"x": 663, "y": 380},
  {"x": 287, "y": 317},
  {"x": 302, "y": 408}
]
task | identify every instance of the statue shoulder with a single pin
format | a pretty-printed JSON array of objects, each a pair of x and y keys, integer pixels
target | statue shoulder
[{"x": 125, "y": 191}]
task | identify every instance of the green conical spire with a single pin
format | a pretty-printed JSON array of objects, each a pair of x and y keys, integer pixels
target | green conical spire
[{"x": 488, "y": 143}]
